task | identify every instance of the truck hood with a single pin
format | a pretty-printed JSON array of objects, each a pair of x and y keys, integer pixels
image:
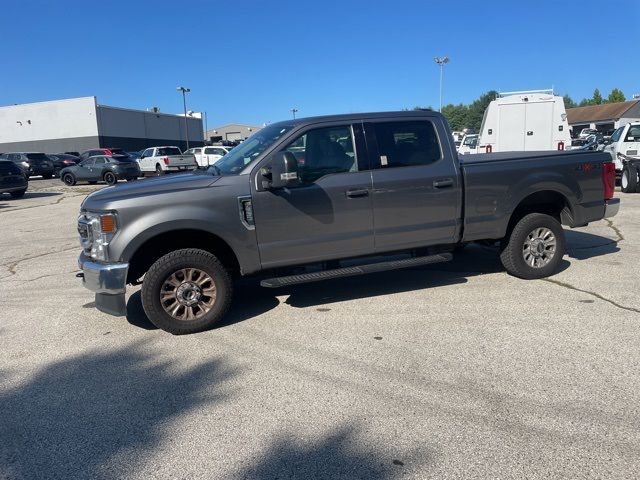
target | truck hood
[{"x": 100, "y": 199}]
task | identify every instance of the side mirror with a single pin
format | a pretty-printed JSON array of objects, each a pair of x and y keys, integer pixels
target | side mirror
[{"x": 281, "y": 172}]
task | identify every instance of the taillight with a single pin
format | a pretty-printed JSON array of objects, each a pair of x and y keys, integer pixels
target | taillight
[
  {"x": 608, "y": 179},
  {"x": 166, "y": 160}
]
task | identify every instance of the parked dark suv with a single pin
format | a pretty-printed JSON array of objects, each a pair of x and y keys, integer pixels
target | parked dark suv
[
  {"x": 62, "y": 160},
  {"x": 12, "y": 179},
  {"x": 101, "y": 168},
  {"x": 31, "y": 163}
]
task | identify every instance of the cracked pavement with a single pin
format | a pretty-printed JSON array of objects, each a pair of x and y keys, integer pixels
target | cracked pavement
[{"x": 451, "y": 371}]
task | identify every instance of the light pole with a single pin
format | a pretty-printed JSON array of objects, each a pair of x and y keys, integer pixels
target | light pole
[
  {"x": 293, "y": 110},
  {"x": 184, "y": 103},
  {"x": 442, "y": 61}
]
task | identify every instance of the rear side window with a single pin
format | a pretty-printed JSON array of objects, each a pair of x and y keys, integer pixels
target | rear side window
[
  {"x": 36, "y": 156},
  {"x": 407, "y": 144},
  {"x": 634, "y": 134}
]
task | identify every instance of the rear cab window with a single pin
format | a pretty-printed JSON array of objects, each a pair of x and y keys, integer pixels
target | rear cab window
[{"x": 166, "y": 151}]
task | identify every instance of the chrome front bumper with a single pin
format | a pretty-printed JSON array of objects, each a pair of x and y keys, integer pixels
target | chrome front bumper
[
  {"x": 611, "y": 207},
  {"x": 108, "y": 281}
]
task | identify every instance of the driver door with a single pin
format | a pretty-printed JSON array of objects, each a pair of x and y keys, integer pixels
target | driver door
[
  {"x": 329, "y": 214},
  {"x": 83, "y": 169}
]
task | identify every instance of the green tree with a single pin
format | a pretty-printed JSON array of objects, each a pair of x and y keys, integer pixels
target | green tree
[
  {"x": 585, "y": 102},
  {"x": 477, "y": 108},
  {"x": 456, "y": 115},
  {"x": 597, "y": 98},
  {"x": 568, "y": 102},
  {"x": 616, "y": 95}
]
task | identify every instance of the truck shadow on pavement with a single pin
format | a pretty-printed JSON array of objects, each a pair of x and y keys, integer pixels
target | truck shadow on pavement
[
  {"x": 583, "y": 245},
  {"x": 251, "y": 300},
  {"x": 97, "y": 414}
]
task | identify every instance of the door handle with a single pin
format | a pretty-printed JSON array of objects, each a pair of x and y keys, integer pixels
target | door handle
[
  {"x": 447, "y": 182},
  {"x": 362, "y": 192}
]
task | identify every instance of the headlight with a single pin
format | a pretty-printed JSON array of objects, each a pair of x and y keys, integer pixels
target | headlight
[{"x": 96, "y": 231}]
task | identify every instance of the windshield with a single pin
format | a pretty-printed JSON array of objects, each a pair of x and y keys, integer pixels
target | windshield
[
  {"x": 239, "y": 157},
  {"x": 470, "y": 140}
]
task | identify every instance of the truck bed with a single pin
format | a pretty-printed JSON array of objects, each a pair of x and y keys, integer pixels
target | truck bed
[{"x": 497, "y": 183}]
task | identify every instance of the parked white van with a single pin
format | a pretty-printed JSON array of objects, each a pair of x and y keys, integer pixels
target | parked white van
[{"x": 525, "y": 121}]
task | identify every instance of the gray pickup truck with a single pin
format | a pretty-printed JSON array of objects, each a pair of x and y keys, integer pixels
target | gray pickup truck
[{"x": 327, "y": 197}]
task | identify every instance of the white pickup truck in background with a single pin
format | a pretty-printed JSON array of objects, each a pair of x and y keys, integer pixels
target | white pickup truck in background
[
  {"x": 626, "y": 141},
  {"x": 161, "y": 160},
  {"x": 206, "y": 156}
]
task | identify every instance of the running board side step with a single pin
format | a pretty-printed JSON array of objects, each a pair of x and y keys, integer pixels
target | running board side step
[{"x": 276, "y": 282}]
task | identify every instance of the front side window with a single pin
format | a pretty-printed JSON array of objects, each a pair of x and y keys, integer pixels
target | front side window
[
  {"x": 407, "y": 144},
  {"x": 324, "y": 151}
]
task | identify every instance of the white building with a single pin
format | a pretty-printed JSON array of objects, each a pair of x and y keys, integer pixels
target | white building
[
  {"x": 78, "y": 124},
  {"x": 230, "y": 132},
  {"x": 605, "y": 117}
]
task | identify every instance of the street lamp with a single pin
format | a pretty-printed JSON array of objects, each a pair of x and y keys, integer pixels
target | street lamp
[
  {"x": 442, "y": 61},
  {"x": 184, "y": 103},
  {"x": 293, "y": 110}
]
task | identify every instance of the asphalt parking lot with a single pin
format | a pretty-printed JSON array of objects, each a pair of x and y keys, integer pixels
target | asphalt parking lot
[{"x": 451, "y": 371}]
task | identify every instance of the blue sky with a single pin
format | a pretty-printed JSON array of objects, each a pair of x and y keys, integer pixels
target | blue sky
[{"x": 251, "y": 61}]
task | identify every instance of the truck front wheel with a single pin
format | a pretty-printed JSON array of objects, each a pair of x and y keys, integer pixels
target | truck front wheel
[
  {"x": 535, "y": 247},
  {"x": 186, "y": 291}
]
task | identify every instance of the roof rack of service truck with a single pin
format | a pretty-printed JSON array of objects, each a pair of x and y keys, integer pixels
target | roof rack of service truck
[{"x": 525, "y": 92}]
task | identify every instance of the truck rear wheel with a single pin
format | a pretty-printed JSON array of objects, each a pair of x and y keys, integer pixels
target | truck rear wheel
[
  {"x": 535, "y": 247},
  {"x": 629, "y": 179},
  {"x": 186, "y": 291}
]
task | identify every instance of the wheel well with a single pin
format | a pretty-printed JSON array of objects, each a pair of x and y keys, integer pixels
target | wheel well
[
  {"x": 548, "y": 202},
  {"x": 160, "y": 245}
]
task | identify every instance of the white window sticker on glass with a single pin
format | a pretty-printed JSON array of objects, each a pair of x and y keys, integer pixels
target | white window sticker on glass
[{"x": 383, "y": 160}]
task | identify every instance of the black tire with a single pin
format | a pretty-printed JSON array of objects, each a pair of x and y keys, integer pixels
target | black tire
[
  {"x": 18, "y": 194},
  {"x": 629, "y": 179},
  {"x": 92, "y": 182},
  {"x": 513, "y": 250},
  {"x": 68, "y": 179},
  {"x": 110, "y": 178},
  {"x": 166, "y": 267},
  {"x": 159, "y": 170}
]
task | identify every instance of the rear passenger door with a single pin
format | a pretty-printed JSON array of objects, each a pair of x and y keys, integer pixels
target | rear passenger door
[{"x": 416, "y": 187}]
